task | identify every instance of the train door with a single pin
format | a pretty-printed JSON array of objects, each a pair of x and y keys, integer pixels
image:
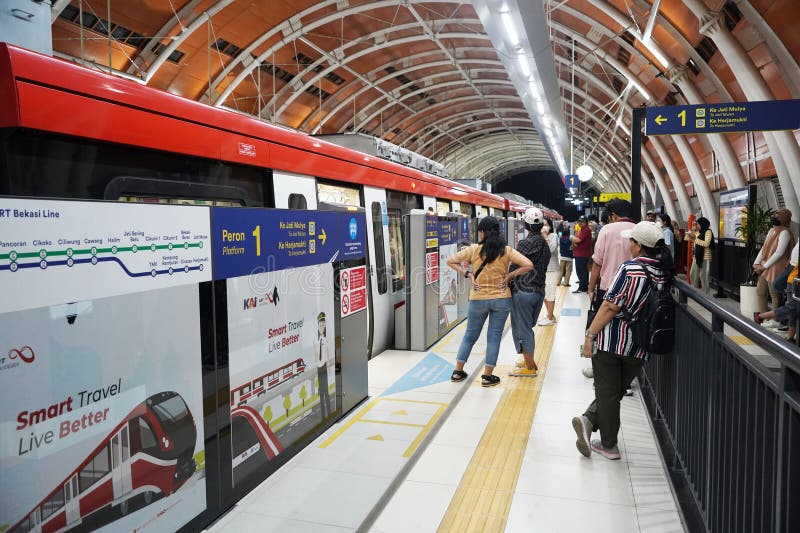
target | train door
[
  {"x": 378, "y": 237},
  {"x": 294, "y": 191},
  {"x": 120, "y": 463},
  {"x": 72, "y": 503}
]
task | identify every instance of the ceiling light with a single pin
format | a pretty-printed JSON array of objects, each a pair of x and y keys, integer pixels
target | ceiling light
[
  {"x": 524, "y": 66},
  {"x": 511, "y": 31},
  {"x": 584, "y": 172}
]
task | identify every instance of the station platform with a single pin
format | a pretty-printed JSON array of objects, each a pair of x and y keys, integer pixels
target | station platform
[{"x": 425, "y": 454}]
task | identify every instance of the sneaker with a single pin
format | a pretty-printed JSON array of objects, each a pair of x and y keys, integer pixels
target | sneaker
[
  {"x": 757, "y": 318},
  {"x": 588, "y": 372},
  {"x": 546, "y": 322},
  {"x": 609, "y": 453},
  {"x": 520, "y": 364},
  {"x": 583, "y": 429},
  {"x": 771, "y": 324},
  {"x": 628, "y": 392},
  {"x": 523, "y": 373}
]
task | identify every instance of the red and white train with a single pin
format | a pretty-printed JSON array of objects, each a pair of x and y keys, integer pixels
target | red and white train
[
  {"x": 71, "y": 132},
  {"x": 148, "y": 455},
  {"x": 260, "y": 385}
]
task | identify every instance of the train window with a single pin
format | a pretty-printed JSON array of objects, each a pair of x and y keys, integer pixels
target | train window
[
  {"x": 442, "y": 207},
  {"x": 146, "y": 435},
  {"x": 41, "y": 164},
  {"x": 53, "y": 504},
  {"x": 338, "y": 194},
  {"x": 125, "y": 444},
  {"x": 297, "y": 201},
  {"x": 396, "y": 251},
  {"x": 380, "y": 249},
  {"x": 99, "y": 466}
]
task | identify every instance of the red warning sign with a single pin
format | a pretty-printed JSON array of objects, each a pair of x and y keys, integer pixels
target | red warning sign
[
  {"x": 353, "y": 290},
  {"x": 431, "y": 268}
]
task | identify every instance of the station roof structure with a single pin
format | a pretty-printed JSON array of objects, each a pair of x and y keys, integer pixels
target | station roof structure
[{"x": 489, "y": 88}]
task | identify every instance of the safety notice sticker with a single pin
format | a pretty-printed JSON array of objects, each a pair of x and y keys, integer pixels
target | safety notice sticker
[{"x": 353, "y": 288}]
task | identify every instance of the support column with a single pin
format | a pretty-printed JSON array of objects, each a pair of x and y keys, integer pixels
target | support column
[
  {"x": 672, "y": 211},
  {"x": 637, "y": 122},
  {"x": 674, "y": 177},
  {"x": 734, "y": 178},
  {"x": 782, "y": 144},
  {"x": 707, "y": 203}
]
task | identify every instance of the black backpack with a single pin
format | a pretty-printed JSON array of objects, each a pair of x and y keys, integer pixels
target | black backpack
[{"x": 653, "y": 329}]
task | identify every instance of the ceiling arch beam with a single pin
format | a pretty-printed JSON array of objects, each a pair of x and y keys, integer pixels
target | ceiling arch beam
[
  {"x": 290, "y": 29},
  {"x": 346, "y": 102},
  {"x": 447, "y": 121},
  {"x": 448, "y": 129},
  {"x": 339, "y": 58}
]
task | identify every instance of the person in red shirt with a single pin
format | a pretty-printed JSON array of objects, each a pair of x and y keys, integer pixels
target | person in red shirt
[{"x": 582, "y": 251}]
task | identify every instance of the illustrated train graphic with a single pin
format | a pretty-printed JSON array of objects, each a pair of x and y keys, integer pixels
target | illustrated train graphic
[
  {"x": 260, "y": 385},
  {"x": 148, "y": 455}
]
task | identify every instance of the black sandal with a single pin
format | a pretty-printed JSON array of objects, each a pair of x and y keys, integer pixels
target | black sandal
[
  {"x": 458, "y": 375},
  {"x": 489, "y": 380}
]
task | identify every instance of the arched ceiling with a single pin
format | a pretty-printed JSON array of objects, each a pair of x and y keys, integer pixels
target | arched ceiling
[{"x": 446, "y": 78}]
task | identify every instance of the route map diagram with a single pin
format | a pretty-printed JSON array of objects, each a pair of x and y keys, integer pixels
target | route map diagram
[{"x": 73, "y": 250}]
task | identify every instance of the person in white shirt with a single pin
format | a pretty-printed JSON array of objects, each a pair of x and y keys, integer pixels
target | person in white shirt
[
  {"x": 321, "y": 353},
  {"x": 553, "y": 273},
  {"x": 669, "y": 237}
]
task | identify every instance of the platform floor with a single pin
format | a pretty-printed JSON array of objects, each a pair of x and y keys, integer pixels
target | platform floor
[{"x": 424, "y": 454}]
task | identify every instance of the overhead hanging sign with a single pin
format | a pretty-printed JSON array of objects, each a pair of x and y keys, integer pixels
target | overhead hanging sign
[
  {"x": 608, "y": 196},
  {"x": 722, "y": 118},
  {"x": 571, "y": 181}
]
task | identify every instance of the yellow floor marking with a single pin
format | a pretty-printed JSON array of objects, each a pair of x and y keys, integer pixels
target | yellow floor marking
[
  {"x": 376, "y": 437},
  {"x": 483, "y": 497},
  {"x": 400, "y": 412},
  {"x": 741, "y": 340},
  {"x": 388, "y": 422},
  {"x": 361, "y": 417}
]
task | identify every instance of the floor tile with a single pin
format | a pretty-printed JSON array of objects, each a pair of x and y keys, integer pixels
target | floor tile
[
  {"x": 415, "y": 507},
  {"x": 441, "y": 464},
  {"x": 534, "y": 513},
  {"x": 321, "y": 496},
  {"x": 244, "y": 521},
  {"x": 595, "y": 479},
  {"x": 659, "y": 521}
]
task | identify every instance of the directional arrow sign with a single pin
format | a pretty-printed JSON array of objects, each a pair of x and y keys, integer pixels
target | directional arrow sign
[
  {"x": 723, "y": 118},
  {"x": 323, "y": 236}
]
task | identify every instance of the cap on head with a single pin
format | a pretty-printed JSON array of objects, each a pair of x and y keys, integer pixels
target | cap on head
[
  {"x": 645, "y": 233},
  {"x": 533, "y": 216},
  {"x": 488, "y": 224}
]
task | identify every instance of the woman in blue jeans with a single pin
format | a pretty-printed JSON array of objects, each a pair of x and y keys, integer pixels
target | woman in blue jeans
[{"x": 489, "y": 296}]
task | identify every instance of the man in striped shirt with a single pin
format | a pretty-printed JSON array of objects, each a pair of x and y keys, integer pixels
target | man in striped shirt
[{"x": 617, "y": 359}]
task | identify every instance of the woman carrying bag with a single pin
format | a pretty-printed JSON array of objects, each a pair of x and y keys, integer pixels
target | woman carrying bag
[
  {"x": 703, "y": 238},
  {"x": 489, "y": 297}
]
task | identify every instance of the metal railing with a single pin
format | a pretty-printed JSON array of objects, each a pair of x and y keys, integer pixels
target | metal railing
[{"x": 728, "y": 425}]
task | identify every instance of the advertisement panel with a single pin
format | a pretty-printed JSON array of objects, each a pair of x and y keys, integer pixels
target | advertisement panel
[
  {"x": 733, "y": 212},
  {"x": 73, "y": 251},
  {"x": 448, "y": 285},
  {"x": 282, "y": 368},
  {"x": 431, "y": 249},
  {"x": 102, "y": 420}
]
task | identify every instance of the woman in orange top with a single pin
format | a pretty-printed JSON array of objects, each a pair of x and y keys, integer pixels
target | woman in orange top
[{"x": 490, "y": 296}]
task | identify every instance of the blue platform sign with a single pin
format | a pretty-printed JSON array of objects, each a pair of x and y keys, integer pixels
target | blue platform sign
[
  {"x": 447, "y": 232},
  {"x": 723, "y": 118},
  {"x": 571, "y": 181},
  {"x": 266, "y": 240}
]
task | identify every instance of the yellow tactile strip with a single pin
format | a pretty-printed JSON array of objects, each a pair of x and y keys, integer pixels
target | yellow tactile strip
[{"x": 483, "y": 498}]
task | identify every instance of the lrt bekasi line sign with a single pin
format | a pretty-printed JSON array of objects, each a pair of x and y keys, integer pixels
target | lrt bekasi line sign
[{"x": 723, "y": 118}]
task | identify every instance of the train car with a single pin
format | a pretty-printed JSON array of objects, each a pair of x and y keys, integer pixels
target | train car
[
  {"x": 148, "y": 455},
  {"x": 70, "y": 132}
]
